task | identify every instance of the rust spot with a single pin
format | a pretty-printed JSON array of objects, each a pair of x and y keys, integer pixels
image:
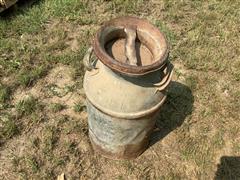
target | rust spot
[{"x": 130, "y": 151}]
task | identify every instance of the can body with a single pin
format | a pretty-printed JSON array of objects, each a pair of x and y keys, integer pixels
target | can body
[
  {"x": 118, "y": 138},
  {"x": 122, "y": 111}
]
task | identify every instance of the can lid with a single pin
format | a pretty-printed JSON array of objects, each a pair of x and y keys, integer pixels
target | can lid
[{"x": 131, "y": 46}]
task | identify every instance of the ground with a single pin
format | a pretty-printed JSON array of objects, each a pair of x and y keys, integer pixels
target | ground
[{"x": 43, "y": 119}]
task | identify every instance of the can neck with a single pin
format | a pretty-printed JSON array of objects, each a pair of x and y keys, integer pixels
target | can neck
[{"x": 146, "y": 80}]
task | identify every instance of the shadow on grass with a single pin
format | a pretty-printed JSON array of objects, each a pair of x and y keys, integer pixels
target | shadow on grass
[
  {"x": 229, "y": 168},
  {"x": 178, "y": 105},
  {"x": 20, "y": 7}
]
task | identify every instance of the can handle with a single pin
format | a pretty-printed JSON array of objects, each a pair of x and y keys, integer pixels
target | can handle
[
  {"x": 130, "y": 50},
  {"x": 88, "y": 60},
  {"x": 168, "y": 72}
]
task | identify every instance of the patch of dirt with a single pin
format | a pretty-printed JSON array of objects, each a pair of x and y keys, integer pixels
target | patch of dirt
[
  {"x": 7, "y": 80},
  {"x": 57, "y": 87},
  {"x": 18, "y": 146}
]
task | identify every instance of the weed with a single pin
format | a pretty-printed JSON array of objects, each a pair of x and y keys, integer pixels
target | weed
[
  {"x": 28, "y": 77},
  {"x": 26, "y": 165},
  {"x": 56, "y": 107},
  {"x": 218, "y": 140},
  {"x": 120, "y": 177},
  {"x": 192, "y": 82},
  {"x": 35, "y": 142},
  {"x": 8, "y": 127},
  {"x": 28, "y": 106},
  {"x": 5, "y": 94},
  {"x": 32, "y": 164},
  {"x": 50, "y": 140},
  {"x": 79, "y": 107},
  {"x": 61, "y": 161}
]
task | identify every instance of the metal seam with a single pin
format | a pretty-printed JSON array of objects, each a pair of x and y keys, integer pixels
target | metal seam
[{"x": 128, "y": 115}]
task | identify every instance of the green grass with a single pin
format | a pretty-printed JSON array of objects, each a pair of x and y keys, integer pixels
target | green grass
[
  {"x": 28, "y": 106},
  {"x": 27, "y": 77},
  {"x": 8, "y": 127},
  {"x": 191, "y": 81},
  {"x": 125, "y": 6},
  {"x": 50, "y": 140},
  {"x": 78, "y": 107},
  {"x": 56, "y": 107},
  {"x": 32, "y": 163},
  {"x": 198, "y": 124},
  {"x": 5, "y": 95}
]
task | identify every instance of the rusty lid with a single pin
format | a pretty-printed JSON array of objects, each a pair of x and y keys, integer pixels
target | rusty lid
[{"x": 113, "y": 46}]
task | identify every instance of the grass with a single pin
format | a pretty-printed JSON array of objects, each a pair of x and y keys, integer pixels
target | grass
[
  {"x": 5, "y": 95},
  {"x": 79, "y": 107},
  {"x": 32, "y": 163},
  {"x": 56, "y": 107},
  {"x": 50, "y": 139},
  {"x": 198, "y": 126},
  {"x": 8, "y": 127},
  {"x": 27, "y": 106},
  {"x": 27, "y": 77}
]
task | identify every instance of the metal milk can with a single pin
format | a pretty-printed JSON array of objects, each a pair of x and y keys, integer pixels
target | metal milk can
[{"x": 125, "y": 84}]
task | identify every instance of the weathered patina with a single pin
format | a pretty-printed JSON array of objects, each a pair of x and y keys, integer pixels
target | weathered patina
[{"x": 125, "y": 96}]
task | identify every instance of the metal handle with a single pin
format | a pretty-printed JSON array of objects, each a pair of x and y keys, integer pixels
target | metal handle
[
  {"x": 88, "y": 60},
  {"x": 130, "y": 50},
  {"x": 168, "y": 71}
]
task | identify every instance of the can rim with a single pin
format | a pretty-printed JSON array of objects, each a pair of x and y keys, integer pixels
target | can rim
[{"x": 125, "y": 68}]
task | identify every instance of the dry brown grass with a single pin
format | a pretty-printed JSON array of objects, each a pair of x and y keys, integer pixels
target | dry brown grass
[{"x": 43, "y": 123}]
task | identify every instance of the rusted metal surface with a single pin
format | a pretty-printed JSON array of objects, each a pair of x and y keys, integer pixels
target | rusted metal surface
[
  {"x": 4, "y": 4},
  {"x": 125, "y": 152},
  {"x": 119, "y": 138},
  {"x": 122, "y": 105},
  {"x": 147, "y": 34}
]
